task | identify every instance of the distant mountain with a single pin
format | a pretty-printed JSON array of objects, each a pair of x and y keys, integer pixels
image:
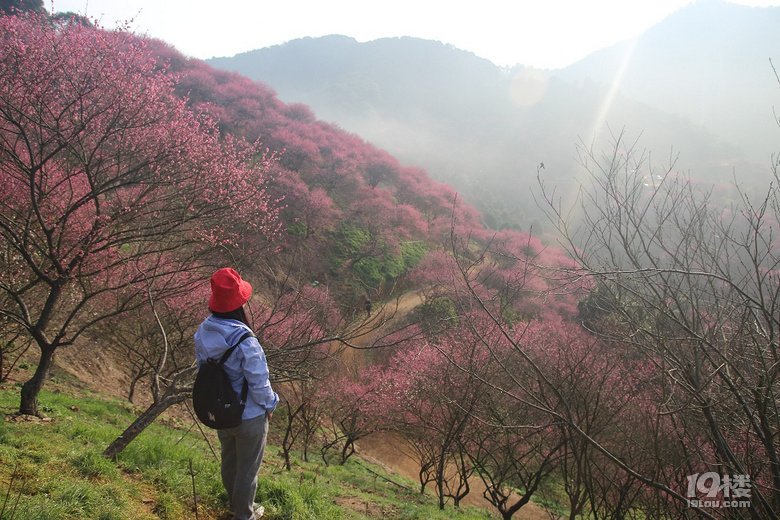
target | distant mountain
[
  {"x": 400, "y": 78},
  {"x": 708, "y": 62},
  {"x": 485, "y": 130}
]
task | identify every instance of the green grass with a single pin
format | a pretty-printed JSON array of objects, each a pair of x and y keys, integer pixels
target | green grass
[{"x": 55, "y": 470}]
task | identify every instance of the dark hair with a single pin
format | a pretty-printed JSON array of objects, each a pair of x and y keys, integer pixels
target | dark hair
[{"x": 238, "y": 315}]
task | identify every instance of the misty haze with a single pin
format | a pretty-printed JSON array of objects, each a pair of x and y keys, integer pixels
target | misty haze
[{"x": 697, "y": 88}]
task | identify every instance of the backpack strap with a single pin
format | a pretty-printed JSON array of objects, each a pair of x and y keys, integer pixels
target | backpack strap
[
  {"x": 226, "y": 355},
  {"x": 229, "y": 351}
]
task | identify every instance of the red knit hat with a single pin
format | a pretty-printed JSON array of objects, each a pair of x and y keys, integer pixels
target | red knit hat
[{"x": 228, "y": 291}]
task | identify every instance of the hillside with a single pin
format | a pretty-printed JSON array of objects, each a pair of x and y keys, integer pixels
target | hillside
[
  {"x": 485, "y": 130},
  {"x": 103, "y": 376},
  {"x": 52, "y": 468}
]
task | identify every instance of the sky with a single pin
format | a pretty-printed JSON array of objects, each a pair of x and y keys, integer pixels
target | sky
[{"x": 536, "y": 33}]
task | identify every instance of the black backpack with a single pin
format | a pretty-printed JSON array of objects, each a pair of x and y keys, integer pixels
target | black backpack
[{"x": 216, "y": 403}]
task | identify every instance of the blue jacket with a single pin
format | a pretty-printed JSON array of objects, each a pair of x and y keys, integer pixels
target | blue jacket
[{"x": 214, "y": 337}]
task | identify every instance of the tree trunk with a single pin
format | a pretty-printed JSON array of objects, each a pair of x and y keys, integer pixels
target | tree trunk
[
  {"x": 440, "y": 466},
  {"x": 176, "y": 393},
  {"x": 440, "y": 490},
  {"x": 287, "y": 443},
  {"x": 140, "y": 424},
  {"x": 31, "y": 389},
  {"x": 348, "y": 450}
]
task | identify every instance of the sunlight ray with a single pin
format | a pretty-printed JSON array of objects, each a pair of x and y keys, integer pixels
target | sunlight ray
[{"x": 601, "y": 115}]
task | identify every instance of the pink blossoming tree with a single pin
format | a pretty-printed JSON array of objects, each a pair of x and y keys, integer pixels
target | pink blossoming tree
[{"x": 105, "y": 173}]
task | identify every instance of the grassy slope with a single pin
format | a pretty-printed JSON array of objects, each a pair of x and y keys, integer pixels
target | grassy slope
[{"x": 54, "y": 469}]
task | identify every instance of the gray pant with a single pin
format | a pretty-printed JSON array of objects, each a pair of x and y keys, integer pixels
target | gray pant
[{"x": 242, "y": 453}]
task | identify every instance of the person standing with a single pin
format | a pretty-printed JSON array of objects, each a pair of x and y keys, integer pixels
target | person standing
[{"x": 243, "y": 446}]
